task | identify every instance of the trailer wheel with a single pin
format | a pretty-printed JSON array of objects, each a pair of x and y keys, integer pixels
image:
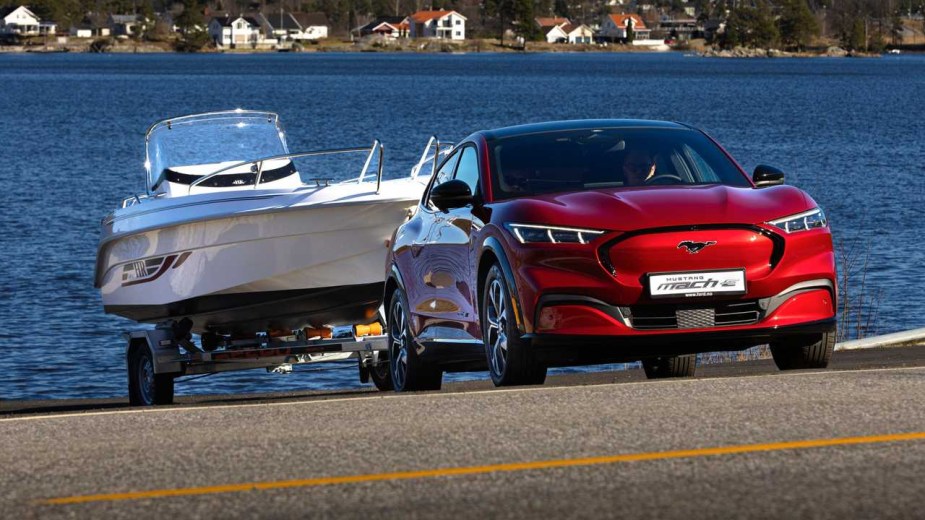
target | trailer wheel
[
  {"x": 145, "y": 388},
  {"x": 381, "y": 374}
]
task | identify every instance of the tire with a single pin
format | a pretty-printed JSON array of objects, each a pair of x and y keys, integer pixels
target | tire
[
  {"x": 407, "y": 372},
  {"x": 667, "y": 367},
  {"x": 511, "y": 361},
  {"x": 145, "y": 388},
  {"x": 381, "y": 373},
  {"x": 800, "y": 352}
]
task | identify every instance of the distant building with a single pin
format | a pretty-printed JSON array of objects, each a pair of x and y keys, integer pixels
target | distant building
[
  {"x": 23, "y": 22},
  {"x": 615, "y": 27},
  {"x": 293, "y": 26},
  {"x": 234, "y": 31},
  {"x": 389, "y": 27},
  {"x": 551, "y": 28},
  {"x": 448, "y": 25},
  {"x": 123, "y": 24},
  {"x": 580, "y": 33},
  {"x": 92, "y": 26}
]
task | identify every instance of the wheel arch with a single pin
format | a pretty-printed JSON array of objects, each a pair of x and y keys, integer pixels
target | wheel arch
[
  {"x": 493, "y": 252},
  {"x": 393, "y": 281}
]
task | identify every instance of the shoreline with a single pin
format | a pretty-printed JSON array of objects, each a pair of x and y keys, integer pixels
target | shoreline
[{"x": 487, "y": 46}]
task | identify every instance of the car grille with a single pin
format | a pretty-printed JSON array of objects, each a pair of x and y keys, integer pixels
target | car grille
[{"x": 675, "y": 316}]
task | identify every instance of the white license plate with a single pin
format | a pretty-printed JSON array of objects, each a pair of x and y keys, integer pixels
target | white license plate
[{"x": 696, "y": 284}]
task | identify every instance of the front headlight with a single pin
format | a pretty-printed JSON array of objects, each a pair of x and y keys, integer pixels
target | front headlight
[
  {"x": 807, "y": 220},
  {"x": 534, "y": 234}
]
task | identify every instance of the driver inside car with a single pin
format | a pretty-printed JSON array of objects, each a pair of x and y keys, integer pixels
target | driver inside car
[{"x": 638, "y": 167}]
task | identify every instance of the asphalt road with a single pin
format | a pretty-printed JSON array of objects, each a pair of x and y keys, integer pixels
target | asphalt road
[{"x": 744, "y": 441}]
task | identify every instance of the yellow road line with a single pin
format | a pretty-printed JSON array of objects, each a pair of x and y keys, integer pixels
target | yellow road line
[{"x": 491, "y": 468}]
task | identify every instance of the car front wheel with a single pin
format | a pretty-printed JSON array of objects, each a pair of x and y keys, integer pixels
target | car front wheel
[
  {"x": 674, "y": 366},
  {"x": 510, "y": 359},
  {"x": 811, "y": 351}
]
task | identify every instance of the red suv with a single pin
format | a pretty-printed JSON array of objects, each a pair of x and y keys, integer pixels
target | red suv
[{"x": 584, "y": 242}]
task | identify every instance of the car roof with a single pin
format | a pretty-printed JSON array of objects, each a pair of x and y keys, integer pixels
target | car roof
[{"x": 579, "y": 124}]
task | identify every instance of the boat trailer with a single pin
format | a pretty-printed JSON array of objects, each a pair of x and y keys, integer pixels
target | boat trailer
[{"x": 156, "y": 357}]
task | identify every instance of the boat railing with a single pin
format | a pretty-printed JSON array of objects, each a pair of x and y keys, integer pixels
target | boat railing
[
  {"x": 376, "y": 149},
  {"x": 439, "y": 148}
]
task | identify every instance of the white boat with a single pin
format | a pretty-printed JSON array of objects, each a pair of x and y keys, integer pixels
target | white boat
[{"x": 232, "y": 236}]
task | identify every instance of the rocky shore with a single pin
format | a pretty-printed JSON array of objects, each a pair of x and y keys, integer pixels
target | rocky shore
[{"x": 745, "y": 52}]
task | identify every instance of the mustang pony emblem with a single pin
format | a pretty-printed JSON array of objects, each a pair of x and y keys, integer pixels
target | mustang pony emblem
[{"x": 695, "y": 247}]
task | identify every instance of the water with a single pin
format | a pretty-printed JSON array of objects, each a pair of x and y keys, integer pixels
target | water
[{"x": 847, "y": 131}]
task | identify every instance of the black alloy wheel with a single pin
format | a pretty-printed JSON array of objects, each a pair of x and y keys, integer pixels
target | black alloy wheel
[
  {"x": 666, "y": 367},
  {"x": 799, "y": 352},
  {"x": 145, "y": 388},
  {"x": 408, "y": 372},
  {"x": 511, "y": 361}
]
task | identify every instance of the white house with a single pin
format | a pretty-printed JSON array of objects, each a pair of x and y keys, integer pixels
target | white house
[
  {"x": 229, "y": 31},
  {"x": 20, "y": 20},
  {"x": 551, "y": 28},
  {"x": 578, "y": 33},
  {"x": 614, "y": 27},
  {"x": 448, "y": 25}
]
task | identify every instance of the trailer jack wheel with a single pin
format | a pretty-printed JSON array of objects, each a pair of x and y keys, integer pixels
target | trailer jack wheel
[{"x": 145, "y": 388}]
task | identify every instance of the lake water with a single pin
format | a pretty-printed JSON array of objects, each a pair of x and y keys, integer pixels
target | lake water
[{"x": 848, "y": 131}]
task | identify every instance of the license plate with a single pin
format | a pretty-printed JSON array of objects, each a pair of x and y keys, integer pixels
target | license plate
[{"x": 697, "y": 283}]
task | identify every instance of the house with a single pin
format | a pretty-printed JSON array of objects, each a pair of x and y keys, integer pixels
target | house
[
  {"x": 389, "y": 27},
  {"x": 234, "y": 31},
  {"x": 615, "y": 27},
  {"x": 123, "y": 24},
  {"x": 23, "y": 22},
  {"x": 448, "y": 25},
  {"x": 580, "y": 33},
  {"x": 551, "y": 28},
  {"x": 92, "y": 26},
  {"x": 293, "y": 26}
]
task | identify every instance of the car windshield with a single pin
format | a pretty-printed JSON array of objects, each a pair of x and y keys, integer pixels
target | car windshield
[
  {"x": 205, "y": 143},
  {"x": 576, "y": 160}
]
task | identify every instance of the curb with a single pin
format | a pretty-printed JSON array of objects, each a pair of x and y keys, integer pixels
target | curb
[{"x": 896, "y": 339}]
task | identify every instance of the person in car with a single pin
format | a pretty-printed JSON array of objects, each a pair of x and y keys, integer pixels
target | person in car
[{"x": 638, "y": 167}]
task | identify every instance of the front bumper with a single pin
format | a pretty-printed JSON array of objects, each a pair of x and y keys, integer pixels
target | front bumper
[{"x": 566, "y": 350}]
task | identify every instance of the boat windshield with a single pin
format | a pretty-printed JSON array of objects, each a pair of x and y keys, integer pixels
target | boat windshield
[{"x": 202, "y": 144}]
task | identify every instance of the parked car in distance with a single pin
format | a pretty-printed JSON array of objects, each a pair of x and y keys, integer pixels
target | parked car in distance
[{"x": 600, "y": 241}]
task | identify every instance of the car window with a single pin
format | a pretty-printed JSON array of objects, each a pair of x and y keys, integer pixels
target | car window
[
  {"x": 444, "y": 174},
  {"x": 468, "y": 169},
  {"x": 578, "y": 160}
]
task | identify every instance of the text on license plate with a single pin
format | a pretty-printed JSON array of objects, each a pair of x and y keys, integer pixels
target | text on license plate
[{"x": 693, "y": 284}]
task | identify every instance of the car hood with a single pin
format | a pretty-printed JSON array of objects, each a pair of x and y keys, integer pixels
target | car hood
[{"x": 628, "y": 209}]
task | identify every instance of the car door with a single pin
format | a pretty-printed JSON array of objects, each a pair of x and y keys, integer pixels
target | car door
[
  {"x": 450, "y": 268},
  {"x": 418, "y": 264}
]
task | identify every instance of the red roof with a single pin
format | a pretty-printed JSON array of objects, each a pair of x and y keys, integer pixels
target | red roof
[
  {"x": 620, "y": 21},
  {"x": 551, "y": 22},
  {"x": 423, "y": 16}
]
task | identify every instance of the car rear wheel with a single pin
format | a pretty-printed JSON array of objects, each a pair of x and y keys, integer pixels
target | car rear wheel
[
  {"x": 811, "y": 351},
  {"x": 665, "y": 367},
  {"x": 510, "y": 360},
  {"x": 408, "y": 371}
]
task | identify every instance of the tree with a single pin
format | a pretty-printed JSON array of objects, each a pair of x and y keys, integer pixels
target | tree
[
  {"x": 797, "y": 24},
  {"x": 751, "y": 26},
  {"x": 191, "y": 18}
]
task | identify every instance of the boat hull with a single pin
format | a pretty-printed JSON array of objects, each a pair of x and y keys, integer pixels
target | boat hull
[{"x": 244, "y": 265}]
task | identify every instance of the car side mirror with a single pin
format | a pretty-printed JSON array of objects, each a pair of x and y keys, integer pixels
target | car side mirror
[
  {"x": 767, "y": 176},
  {"x": 451, "y": 194}
]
